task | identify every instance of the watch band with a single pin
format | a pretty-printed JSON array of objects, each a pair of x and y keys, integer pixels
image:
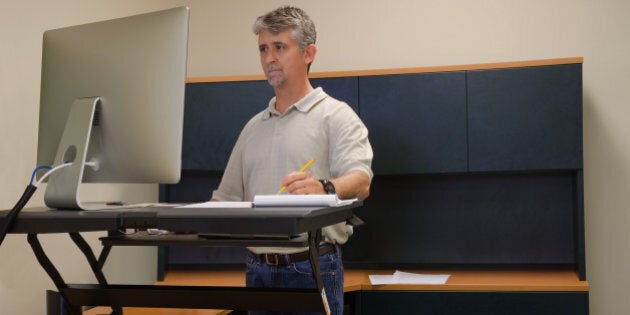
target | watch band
[{"x": 328, "y": 186}]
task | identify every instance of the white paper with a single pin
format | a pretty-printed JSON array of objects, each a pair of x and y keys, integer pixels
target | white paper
[
  {"x": 220, "y": 204},
  {"x": 300, "y": 201},
  {"x": 400, "y": 277},
  {"x": 381, "y": 279}
]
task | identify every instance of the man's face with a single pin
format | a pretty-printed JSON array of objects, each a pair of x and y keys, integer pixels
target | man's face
[{"x": 281, "y": 58}]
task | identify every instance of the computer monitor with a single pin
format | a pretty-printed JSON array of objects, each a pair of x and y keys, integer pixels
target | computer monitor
[{"x": 112, "y": 95}]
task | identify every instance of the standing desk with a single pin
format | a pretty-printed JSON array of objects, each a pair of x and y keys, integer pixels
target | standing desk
[{"x": 288, "y": 226}]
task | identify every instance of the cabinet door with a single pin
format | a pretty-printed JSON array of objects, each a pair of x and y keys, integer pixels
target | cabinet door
[
  {"x": 417, "y": 122},
  {"x": 214, "y": 115},
  {"x": 525, "y": 118},
  {"x": 419, "y": 221}
]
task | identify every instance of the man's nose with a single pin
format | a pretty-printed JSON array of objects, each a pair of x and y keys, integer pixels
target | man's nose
[{"x": 270, "y": 57}]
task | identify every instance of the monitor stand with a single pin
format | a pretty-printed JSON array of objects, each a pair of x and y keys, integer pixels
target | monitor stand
[{"x": 62, "y": 191}]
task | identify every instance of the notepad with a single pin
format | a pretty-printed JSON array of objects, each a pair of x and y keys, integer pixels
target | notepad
[{"x": 300, "y": 201}]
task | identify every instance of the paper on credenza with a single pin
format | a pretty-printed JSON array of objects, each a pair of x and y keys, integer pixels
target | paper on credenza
[{"x": 400, "y": 277}]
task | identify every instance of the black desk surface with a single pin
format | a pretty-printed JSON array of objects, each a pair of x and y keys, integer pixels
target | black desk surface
[
  {"x": 263, "y": 221},
  {"x": 289, "y": 221}
]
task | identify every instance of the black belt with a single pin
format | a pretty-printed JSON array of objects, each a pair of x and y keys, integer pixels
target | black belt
[{"x": 286, "y": 259}]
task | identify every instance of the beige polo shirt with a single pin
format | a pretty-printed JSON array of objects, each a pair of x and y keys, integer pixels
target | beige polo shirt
[{"x": 271, "y": 146}]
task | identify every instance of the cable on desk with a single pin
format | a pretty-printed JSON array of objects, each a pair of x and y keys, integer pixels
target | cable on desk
[
  {"x": 7, "y": 224},
  {"x": 9, "y": 220}
]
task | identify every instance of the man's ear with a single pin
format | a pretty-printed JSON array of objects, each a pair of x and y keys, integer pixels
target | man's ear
[{"x": 309, "y": 53}]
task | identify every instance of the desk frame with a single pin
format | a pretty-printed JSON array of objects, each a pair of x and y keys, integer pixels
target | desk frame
[{"x": 250, "y": 221}]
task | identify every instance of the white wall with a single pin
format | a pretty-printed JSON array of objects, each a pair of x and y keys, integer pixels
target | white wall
[
  {"x": 22, "y": 281},
  {"x": 353, "y": 35}
]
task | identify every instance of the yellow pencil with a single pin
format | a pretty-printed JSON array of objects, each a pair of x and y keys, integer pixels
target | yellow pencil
[{"x": 301, "y": 170}]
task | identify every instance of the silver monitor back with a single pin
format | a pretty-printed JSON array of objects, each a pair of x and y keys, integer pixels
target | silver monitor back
[{"x": 135, "y": 67}]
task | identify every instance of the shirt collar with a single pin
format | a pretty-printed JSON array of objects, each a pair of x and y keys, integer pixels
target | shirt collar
[{"x": 303, "y": 105}]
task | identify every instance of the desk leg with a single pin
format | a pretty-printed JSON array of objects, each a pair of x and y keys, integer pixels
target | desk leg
[
  {"x": 314, "y": 238},
  {"x": 52, "y": 272}
]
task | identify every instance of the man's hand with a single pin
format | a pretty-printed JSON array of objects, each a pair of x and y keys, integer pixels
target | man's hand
[{"x": 302, "y": 183}]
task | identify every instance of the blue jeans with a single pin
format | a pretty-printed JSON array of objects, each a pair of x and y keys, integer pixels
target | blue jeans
[{"x": 299, "y": 275}]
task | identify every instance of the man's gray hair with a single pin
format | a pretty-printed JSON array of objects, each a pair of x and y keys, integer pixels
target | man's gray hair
[{"x": 285, "y": 18}]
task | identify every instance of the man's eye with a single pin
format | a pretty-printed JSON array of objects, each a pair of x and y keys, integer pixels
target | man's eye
[
  {"x": 262, "y": 49},
  {"x": 279, "y": 47}
]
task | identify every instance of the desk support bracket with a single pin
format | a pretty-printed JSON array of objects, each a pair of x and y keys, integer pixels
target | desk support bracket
[{"x": 96, "y": 265}]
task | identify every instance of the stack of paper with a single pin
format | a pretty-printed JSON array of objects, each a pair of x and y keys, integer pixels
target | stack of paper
[
  {"x": 220, "y": 204},
  {"x": 300, "y": 201},
  {"x": 400, "y": 277}
]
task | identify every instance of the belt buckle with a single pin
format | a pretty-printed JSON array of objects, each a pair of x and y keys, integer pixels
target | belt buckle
[{"x": 269, "y": 262}]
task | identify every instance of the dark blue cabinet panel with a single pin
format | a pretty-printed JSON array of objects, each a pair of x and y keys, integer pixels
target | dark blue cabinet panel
[
  {"x": 215, "y": 114},
  {"x": 417, "y": 122},
  {"x": 525, "y": 118},
  {"x": 345, "y": 89}
]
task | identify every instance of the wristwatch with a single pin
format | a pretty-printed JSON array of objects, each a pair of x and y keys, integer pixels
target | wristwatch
[{"x": 328, "y": 186}]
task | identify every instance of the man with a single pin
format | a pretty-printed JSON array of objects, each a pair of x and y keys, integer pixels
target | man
[{"x": 300, "y": 123}]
